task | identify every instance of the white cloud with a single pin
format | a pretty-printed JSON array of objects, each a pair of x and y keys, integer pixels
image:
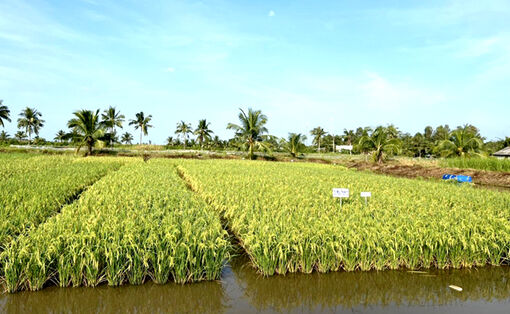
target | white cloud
[
  {"x": 271, "y": 13},
  {"x": 170, "y": 69}
]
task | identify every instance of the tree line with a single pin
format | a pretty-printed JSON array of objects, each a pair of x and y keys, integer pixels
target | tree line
[{"x": 86, "y": 128}]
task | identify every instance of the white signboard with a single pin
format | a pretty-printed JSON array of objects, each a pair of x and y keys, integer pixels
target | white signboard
[
  {"x": 344, "y": 147},
  {"x": 341, "y": 193},
  {"x": 366, "y": 194}
]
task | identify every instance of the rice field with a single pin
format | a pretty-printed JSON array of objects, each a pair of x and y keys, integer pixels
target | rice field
[
  {"x": 34, "y": 188},
  {"x": 287, "y": 220},
  {"x": 138, "y": 223},
  {"x": 167, "y": 221}
]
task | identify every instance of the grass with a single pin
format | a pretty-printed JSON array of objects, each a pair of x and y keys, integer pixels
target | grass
[{"x": 488, "y": 163}]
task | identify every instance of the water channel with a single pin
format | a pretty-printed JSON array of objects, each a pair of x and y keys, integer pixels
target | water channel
[{"x": 242, "y": 290}]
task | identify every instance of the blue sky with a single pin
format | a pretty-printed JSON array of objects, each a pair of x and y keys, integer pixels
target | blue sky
[{"x": 337, "y": 64}]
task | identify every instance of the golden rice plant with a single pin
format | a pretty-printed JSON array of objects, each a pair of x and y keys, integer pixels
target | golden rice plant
[
  {"x": 287, "y": 220},
  {"x": 137, "y": 223},
  {"x": 36, "y": 187}
]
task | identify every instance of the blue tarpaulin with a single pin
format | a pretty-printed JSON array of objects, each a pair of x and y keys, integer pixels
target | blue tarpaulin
[{"x": 458, "y": 178}]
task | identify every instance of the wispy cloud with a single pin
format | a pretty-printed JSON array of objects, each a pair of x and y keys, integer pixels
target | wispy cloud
[
  {"x": 271, "y": 13},
  {"x": 449, "y": 13},
  {"x": 344, "y": 101},
  {"x": 170, "y": 69}
]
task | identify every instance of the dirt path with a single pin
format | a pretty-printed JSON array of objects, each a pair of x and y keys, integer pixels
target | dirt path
[{"x": 491, "y": 179}]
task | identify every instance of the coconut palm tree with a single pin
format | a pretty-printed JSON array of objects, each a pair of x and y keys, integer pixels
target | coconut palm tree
[
  {"x": 317, "y": 134},
  {"x": 251, "y": 130},
  {"x": 60, "y": 136},
  {"x": 20, "y": 136},
  {"x": 4, "y": 136},
  {"x": 87, "y": 127},
  {"x": 4, "y": 113},
  {"x": 170, "y": 141},
  {"x": 30, "y": 120},
  {"x": 112, "y": 118},
  {"x": 418, "y": 145},
  {"x": 127, "y": 138},
  {"x": 183, "y": 129},
  {"x": 381, "y": 142},
  {"x": 463, "y": 142},
  {"x": 203, "y": 132},
  {"x": 142, "y": 122},
  {"x": 348, "y": 136},
  {"x": 295, "y": 144},
  {"x": 216, "y": 142}
]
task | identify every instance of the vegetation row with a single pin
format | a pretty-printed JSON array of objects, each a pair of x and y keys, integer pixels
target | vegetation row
[
  {"x": 491, "y": 164},
  {"x": 91, "y": 128},
  {"x": 287, "y": 220},
  {"x": 137, "y": 223},
  {"x": 34, "y": 188}
]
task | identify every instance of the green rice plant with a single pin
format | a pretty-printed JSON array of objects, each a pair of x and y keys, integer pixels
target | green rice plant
[
  {"x": 286, "y": 219},
  {"x": 32, "y": 189},
  {"x": 13, "y": 163},
  {"x": 487, "y": 163},
  {"x": 138, "y": 222}
]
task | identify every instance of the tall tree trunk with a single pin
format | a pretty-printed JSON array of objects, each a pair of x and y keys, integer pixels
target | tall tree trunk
[
  {"x": 141, "y": 136},
  {"x": 251, "y": 151}
]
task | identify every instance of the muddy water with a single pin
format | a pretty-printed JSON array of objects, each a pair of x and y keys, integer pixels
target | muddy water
[{"x": 241, "y": 290}]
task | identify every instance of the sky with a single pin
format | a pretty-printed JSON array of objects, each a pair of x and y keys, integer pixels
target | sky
[{"x": 334, "y": 64}]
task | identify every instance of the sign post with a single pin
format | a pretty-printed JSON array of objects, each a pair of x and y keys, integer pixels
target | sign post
[
  {"x": 366, "y": 195},
  {"x": 341, "y": 193}
]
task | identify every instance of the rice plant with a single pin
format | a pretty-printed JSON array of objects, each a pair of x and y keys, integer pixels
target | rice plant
[
  {"x": 34, "y": 188},
  {"x": 138, "y": 223},
  {"x": 287, "y": 221}
]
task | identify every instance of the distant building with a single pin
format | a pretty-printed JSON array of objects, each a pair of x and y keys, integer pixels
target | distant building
[
  {"x": 504, "y": 153},
  {"x": 339, "y": 148}
]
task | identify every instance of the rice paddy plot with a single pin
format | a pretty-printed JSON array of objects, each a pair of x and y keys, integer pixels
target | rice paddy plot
[
  {"x": 287, "y": 221},
  {"x": 138, "y": 223},
  {"x": 32, "y": 189}
]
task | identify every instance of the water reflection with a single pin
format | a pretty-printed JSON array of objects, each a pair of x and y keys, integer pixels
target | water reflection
[
  {"x": 149, "y": 298},
  {"x": 242, "y": 290},
  {"x": 346, "y": 290}
]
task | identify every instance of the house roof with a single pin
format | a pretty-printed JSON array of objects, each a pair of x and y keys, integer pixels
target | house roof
[{"x": 504, "y": 152}]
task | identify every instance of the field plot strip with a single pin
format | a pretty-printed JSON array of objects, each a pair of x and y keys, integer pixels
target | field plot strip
[
  {"x": 287, "y": 221},
  {"x": 13, "y": 164},
  {"x": 37, "y": 187},
  {"x": 137, "y": 223}
]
